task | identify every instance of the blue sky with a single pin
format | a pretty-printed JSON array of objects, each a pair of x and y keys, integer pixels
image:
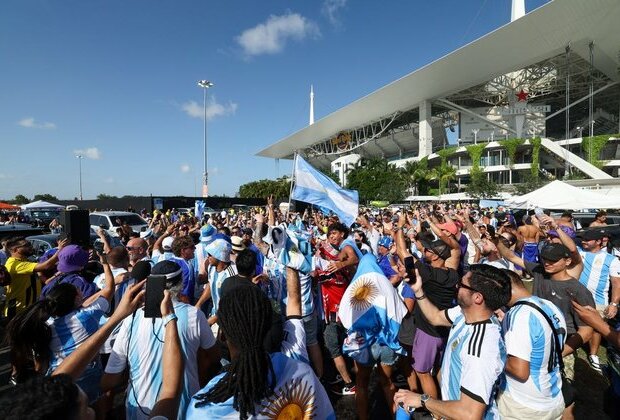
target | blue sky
[{"x": 115, "y": 81}]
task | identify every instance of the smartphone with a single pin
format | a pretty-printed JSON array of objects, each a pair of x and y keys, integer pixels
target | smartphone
[
  {"x": 410, "y": 267},
  {"x": 98, "y": 246},
  {"x": 573, "y": 296},
  {"x": 155, "y": 285}
]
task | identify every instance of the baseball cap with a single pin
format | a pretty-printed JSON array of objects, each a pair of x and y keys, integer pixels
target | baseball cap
[
  {"x": 145, "y": 234},
  {"x": 170, "y": 269},
  {"x": 554, "y": 252},
  {"x": 237, "y": 243},
  {"x": 166, "y": 244},
  {"x": 449, "y": 226},
  {"x": 385, "y": 241},
  {"x": 438, "y": 247},
  {"x": 72, "y": 258},
  {"x": 592, "y": 235}
]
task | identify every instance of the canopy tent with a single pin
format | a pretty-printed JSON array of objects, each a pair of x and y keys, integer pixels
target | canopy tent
[
  {"x": 559, "y": 195},
  {"x": 41, "y": 205},
  {"x": 7, "y": 206}
]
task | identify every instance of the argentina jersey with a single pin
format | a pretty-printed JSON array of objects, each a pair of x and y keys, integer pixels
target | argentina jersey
[
  {"x": 307, "y": 298},
  {"x": 528, "y": 336},
  {"x": 598, "y": 267},
  {"x": 473, "y": 361},
  {"x": 298, "y": 393},
  {"x": 294, "y": 340},
  {"x": 216, "y": 279}
]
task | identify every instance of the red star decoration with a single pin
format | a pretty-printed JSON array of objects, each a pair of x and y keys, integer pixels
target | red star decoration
[{"x": 522, "y": 95}]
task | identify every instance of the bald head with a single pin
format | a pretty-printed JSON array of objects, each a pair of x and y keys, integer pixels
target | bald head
[{"x": 137, "y": 249}]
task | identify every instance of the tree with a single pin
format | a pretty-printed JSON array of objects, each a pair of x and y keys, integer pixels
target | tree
[
  {"x": 377, "y": 179},
  {"x": 279, "y": 188},
  {"x": 105, "y": 197},
  {"x": 45, "y": 197},
  {"x": 444, "y": 174},
  {"x": 21, "y": 199},
  {"x": 416, "y": 174},
  {"x": 480, "y": 186}
]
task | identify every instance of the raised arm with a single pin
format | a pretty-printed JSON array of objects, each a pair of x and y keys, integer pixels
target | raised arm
[
  {"x": 435, "y": 316},
  {"x": 293, "y": 293},
  {"x": 167, "y": 404},
  {"x": 77, "y": 361}
]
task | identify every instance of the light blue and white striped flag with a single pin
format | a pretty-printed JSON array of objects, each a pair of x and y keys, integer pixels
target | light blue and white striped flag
[
  {"x": 311, "y": 186},
  {"x": 371, "y": 311}
]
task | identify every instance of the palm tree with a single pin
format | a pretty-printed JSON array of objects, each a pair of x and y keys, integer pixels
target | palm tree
[
  {"x": 414, "y": 172},
  {"x": 443, "y": 174}
]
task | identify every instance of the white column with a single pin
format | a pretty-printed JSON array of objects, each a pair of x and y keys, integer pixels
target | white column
[{"x": 425, "y": 133}]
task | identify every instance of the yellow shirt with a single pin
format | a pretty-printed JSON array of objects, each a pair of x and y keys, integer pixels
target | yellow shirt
[{"x": 25, "y": 286}]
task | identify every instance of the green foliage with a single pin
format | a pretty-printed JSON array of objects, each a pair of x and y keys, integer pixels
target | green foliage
[
  {"x": 475, "y": 153},
  {"x": 444, "y": 174},
  {"x": 593, "y": 146},
  {"x": 279, "y": 188},
  {"x": 377, "y": 179},
  {"x": 480, "y": 186},
  {"x": 444, "y": 153},
  {"x": 21, "y": 199},
  {"x": 415, "y": 174},
  {"x": 531, "y": 183},
  {"x": 511, "y": 146},
  {"x": 105, "y": 197},
  {"x": 44, "y": 197},
  {"x": 535, "y": 142}
]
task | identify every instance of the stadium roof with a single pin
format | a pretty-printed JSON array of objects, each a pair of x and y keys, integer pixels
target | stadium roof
[{"x": 540, "y": 34}]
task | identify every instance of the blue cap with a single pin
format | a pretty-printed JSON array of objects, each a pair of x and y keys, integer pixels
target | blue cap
[{"x": 386, "y": 241}]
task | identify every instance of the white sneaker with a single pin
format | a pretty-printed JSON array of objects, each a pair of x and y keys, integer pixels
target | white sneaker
[{"x": 595, "y": 363}]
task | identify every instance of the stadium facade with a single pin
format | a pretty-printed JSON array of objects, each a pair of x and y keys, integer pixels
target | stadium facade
[{"x": 548, "y": 79}]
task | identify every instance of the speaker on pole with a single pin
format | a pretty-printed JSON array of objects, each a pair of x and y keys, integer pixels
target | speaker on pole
[{"x": 76, "y": 226}]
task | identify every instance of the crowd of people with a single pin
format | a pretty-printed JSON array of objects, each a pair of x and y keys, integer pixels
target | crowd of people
[{"x": 268, "y": 315}]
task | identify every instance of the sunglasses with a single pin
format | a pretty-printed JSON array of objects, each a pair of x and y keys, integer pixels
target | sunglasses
[{"x": 460, "y": 284}]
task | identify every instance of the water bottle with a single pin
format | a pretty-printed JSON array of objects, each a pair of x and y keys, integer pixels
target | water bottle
[{"x": 539, "y": 213}]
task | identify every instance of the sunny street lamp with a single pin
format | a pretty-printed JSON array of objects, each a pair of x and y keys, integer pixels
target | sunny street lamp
[
  {"x": 79, "y": 158},
  {"x": 205, "y": 84}
]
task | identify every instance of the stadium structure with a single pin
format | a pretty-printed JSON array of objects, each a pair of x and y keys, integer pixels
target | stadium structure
[{"x": 549, "y": 79}]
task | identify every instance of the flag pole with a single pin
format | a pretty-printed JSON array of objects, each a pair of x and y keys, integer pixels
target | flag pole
[{"x": 290, "y": 192}]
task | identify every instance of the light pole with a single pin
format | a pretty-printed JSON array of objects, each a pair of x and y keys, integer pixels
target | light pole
[
  {"x": 205, "y": 84},
  {"x": 475, "y": 131},
  {"x": 79, "y": 158}
]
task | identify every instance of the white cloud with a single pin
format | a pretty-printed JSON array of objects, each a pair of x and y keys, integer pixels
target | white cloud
[
  {"x": 109, "y": 180},
  {"x": 331, "y": 8},
  {"x": 214, "y": 109},
  {"x": 185, "y": 168},
  {"x": 214, "y": 170},
  {"x": 29, "y": 122},
  {"x": 90, "y": 153},
  {"x": 271, "y": 36}
]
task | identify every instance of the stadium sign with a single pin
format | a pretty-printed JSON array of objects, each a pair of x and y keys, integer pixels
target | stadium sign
[{"x": 524, "y": 109}]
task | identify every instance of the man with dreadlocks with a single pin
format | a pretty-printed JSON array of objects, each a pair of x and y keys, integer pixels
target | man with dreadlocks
[{"x": 258, "y": 384}]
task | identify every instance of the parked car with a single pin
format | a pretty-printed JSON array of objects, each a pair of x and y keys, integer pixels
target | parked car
[
  {"x": 43, "y": 243},
  {"x": 19, "y": 229},
  {"x": 111, "y": 220},
  {"x": 585, "y": 219}
]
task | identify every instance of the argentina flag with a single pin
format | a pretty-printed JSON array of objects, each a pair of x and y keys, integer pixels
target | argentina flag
[
  {"x": 291, "y": 247},
  {"x": 199, "y": 209},
  {"x": 371, "y": 311},
  {"x": 311, "y": 186}
]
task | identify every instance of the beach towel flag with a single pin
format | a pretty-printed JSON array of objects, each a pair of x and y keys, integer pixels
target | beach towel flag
[
  {"x": 371, "y": 311},
  {"x": 199, "y": 208},
  {"x": 311, "y": 186}
]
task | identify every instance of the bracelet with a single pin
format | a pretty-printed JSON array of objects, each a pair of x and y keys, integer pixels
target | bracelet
[
  {"x": 168, "y": 318},
  {"x": 421, "y": 297},
  {"x": 614, "y": 304}
]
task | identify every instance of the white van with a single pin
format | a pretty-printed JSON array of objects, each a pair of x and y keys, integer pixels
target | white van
[{"x": 111, "y": 220}]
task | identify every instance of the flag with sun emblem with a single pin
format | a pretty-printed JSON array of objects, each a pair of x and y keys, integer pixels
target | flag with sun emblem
[
  {"x": 298, "y": 394},
  {"x": 371, "y": 310}
]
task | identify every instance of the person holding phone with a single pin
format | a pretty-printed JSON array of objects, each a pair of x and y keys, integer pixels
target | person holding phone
[{"x": 140, "y": 344}]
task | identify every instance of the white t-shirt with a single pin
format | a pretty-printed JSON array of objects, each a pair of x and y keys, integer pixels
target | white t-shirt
[
  {"x": 118, "y": 295},
  {"x": 473, "y": 361},
  {"x": 140, "y": 343}
]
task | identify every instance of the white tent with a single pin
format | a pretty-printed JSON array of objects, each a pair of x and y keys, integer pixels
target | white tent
[
  {"x": 560, "y": 195},
  {"x": 40, "y": 204}
]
